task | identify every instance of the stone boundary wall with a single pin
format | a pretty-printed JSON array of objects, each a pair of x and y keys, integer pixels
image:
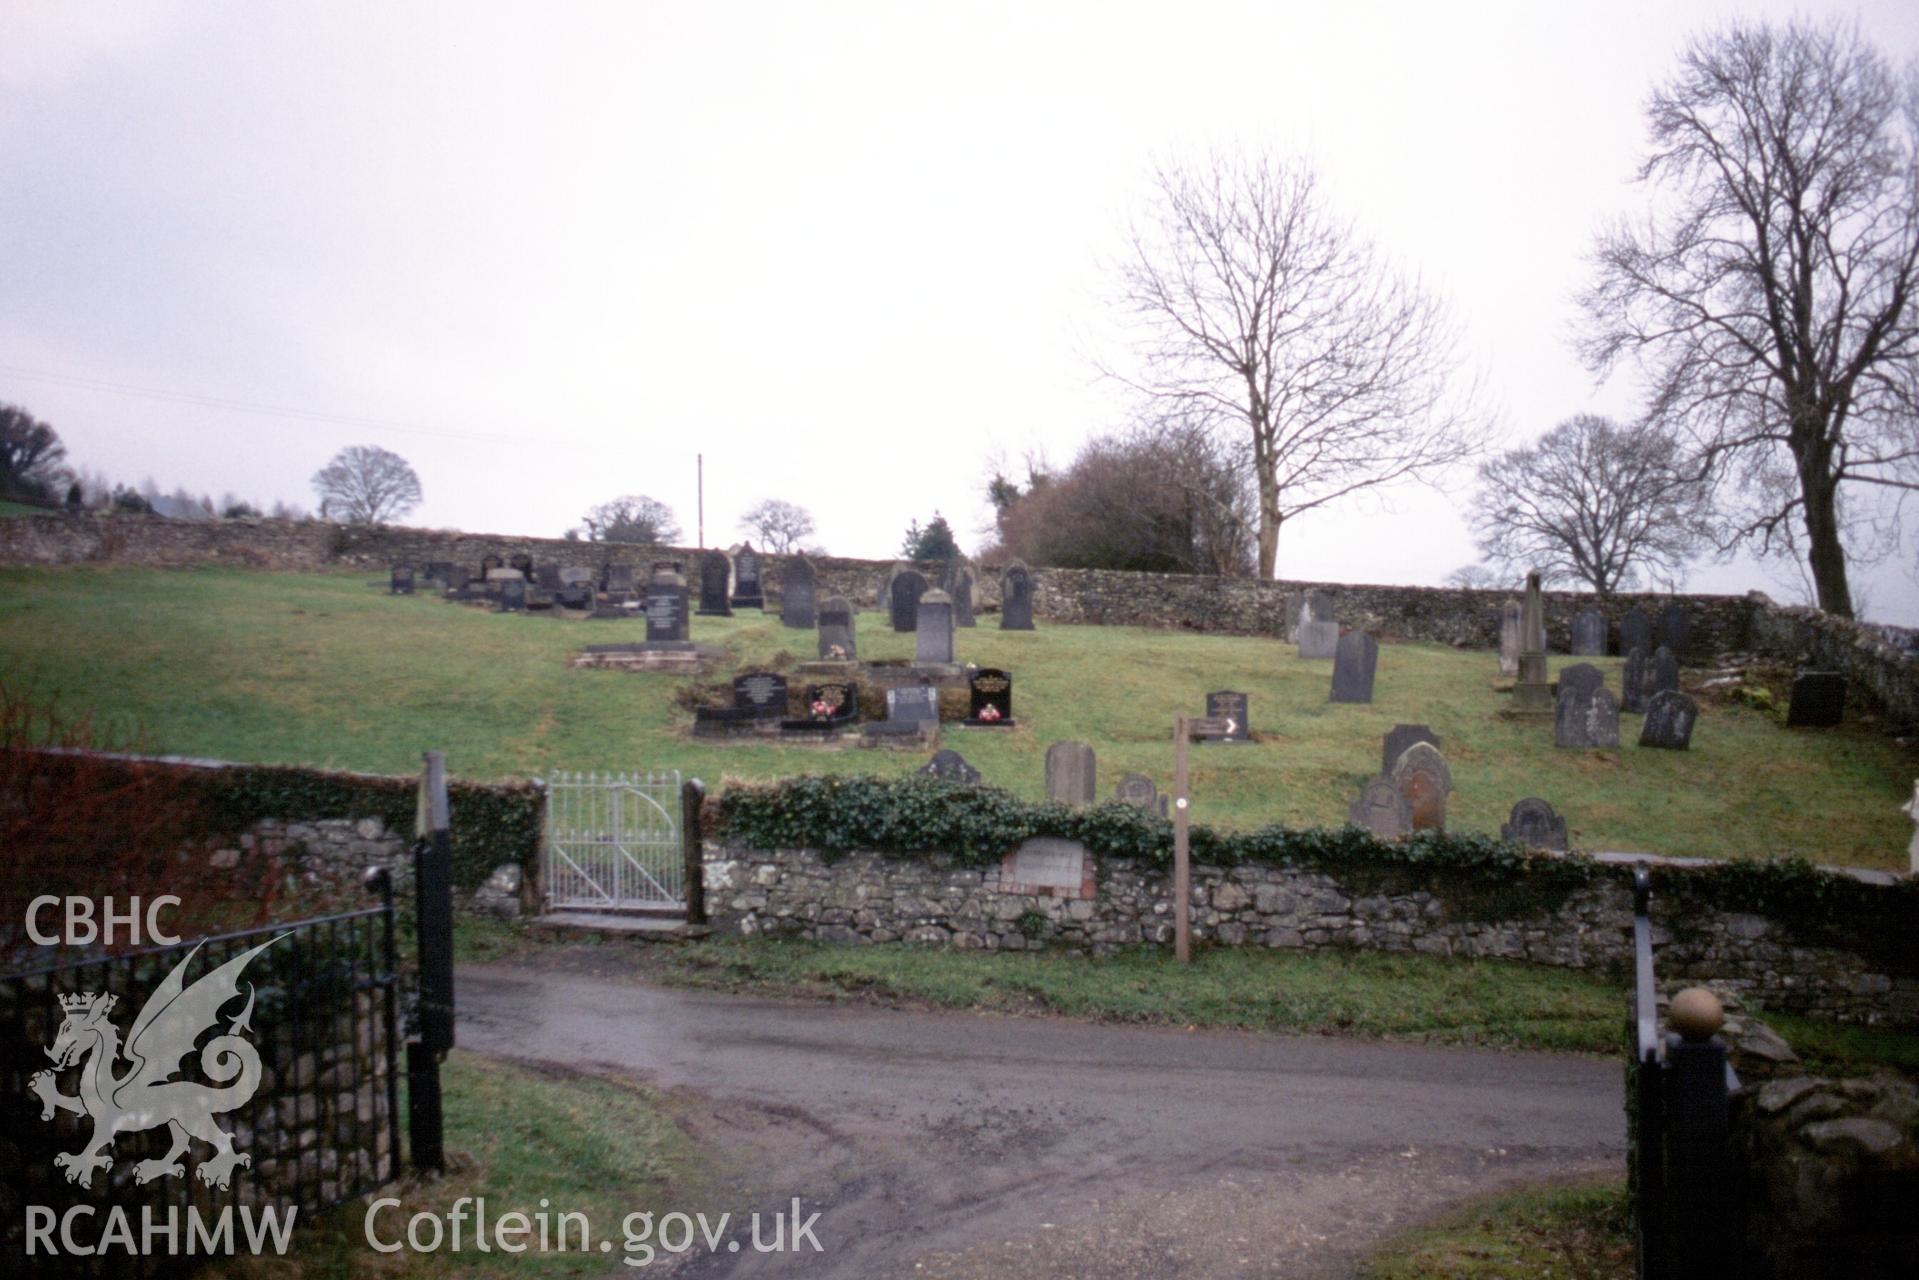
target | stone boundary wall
[
  {"x": 1239, "y": 606},
  {"x": 873, "y": 898}
]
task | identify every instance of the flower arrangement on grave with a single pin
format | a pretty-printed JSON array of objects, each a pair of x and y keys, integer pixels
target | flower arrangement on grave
[
  {"x": 988, "y": 713},
  {"x": 836, "y": 652},
  {"x": 822, "y": 709}
]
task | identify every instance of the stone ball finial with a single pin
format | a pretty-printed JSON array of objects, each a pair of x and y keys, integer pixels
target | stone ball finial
[{"x": 1696, "y": 1013}]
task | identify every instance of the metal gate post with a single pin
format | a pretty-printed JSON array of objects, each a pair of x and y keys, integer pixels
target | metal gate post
[{"x": 692, "y": 841}]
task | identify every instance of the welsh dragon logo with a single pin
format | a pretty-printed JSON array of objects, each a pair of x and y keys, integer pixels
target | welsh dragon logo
[{"x": 142, "y": 1096}]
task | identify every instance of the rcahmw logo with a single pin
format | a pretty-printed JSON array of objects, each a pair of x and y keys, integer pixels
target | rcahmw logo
[{"x": 128, "y": 1088}]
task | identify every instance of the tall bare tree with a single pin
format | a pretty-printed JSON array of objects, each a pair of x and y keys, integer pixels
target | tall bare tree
[
  {"x": 1770, "y": 294},
  {"x": 1257, "y": 307},
  {"x": 781, "y": 525},
  {"x": 365, "y": 484},
  {"x": 1593, "y": 502}
]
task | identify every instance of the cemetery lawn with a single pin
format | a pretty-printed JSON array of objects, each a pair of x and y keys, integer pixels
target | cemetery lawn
[
  {"x": 329, "y": 670},
  {"x": 514, "y": 1135},
  {"x": 21, "y": 509},
  {"x": 1580, "y": 1231}
]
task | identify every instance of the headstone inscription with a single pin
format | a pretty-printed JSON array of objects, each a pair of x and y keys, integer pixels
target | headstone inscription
[
  {"x": 1670, "y": 716},
  {"x": 1422, "y": 776},
  {"x": 951, "y": 766},
  {"x": 400, "y": 580},
  {"x": 716, "y": 577},
  {"x": 903, "y": 601},
  {"x": 1355, "y": 659},
  {"x": 838, "y": 642},
  {"x": 762, "y": 694},
  {"x": 1818, "y": 700},
  {"x": 1071, "y": 773},
  {"x": 917, "y": 704},
  {"x": 1047, "y": 865},
  {"x": 747, "y": 593},
  {"x": 1318, "y": 639},
  {"x": 1585, "y": 717},
  {"x": 1234, "y": 707},
  {"x": 990, "y": 696},
  {"x": 1534, "y": 824},
  {"x": 1509, "y": 627},
  {"x": 1589, "y": 634},
  {"x": 933, "y": 629},
  {"x": 1382, "y": 808},
  {"x": 1398, "y": 739},
  {"x": 799, "y": 594},
  {"x": 1675, "y": 627},
  {"x": 665, "y": 609},
  {"x": 1016, "y": 598},
  {"x": 1635, "y": 631},
  {"x": 1633, "y": 679},
  {"x": 1139, "y": 791}
]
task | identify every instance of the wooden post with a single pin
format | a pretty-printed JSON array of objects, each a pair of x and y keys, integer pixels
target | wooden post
[{"x": 1182, "y": 868}]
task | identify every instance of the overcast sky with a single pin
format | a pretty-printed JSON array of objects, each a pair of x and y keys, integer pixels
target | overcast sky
[{"x": 550, "y": 253}]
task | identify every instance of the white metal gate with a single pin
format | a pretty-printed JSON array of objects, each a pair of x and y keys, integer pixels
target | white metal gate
[{"x": 613, "y": 841}]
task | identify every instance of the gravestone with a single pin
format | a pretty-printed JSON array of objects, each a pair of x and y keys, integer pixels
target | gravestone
[
  {"x": 574, "y": 576},
  {"x": 903, "y": 602},
  {"x": 1635, "y": 631},
  {"x": 1509, "y": 627},
  {"x": 1421, "y": 775},
  {"x": 546, "y": 577},
  {"x": 489, "y": 563},
  {"x": 1582, "y": 676},
  {"x": 1382, "y": 808},
  {"x": 761, "y": 694},
  {"x": 1230, "y": 704},
  {"x": 1532, "y": 616},
  {"x": 716, "y": 576},
  {"x": 830, "y": 705},
  {"x": 951, "y": 766},
  {"x": 1534, "y": 824},
  {"x": 990, "y": 695},
  {"x": 933, "y": 630},
  {"x": 1675, "y": 627},
  {"x": 1398, "y": 739},
  {"x": 1355, "y": 659},
  {"x": 747, "y": 592},
  {"x": 1139, "y": 791},
  {"x": 1585, "y": 718},
  {"x": 838, "y": 643},
  {"x": 1047, "y": 865},
  {"x": 916, "y": 704},
  {"x": 1318, "y": 639},
  {"x": 799, "y": 594},
  {"x": 962, "y": 594},
  {"x": 440, "y": 571},
  {"x": 456, "y": 577},
  {"x": 524, "y": 563},
  {"x": 665, "y": 609},
  {"x": 400, "y": 580},
  {"x": 883, "y": 598},
  {"x": 1633, "y": 679},
  {"x": 1662, "y": 674},
  {"x": 1071, "y": 773},
  {"x": 1318, "y": 606},
  {"x": 1016, "y": 598},
  {"x": 1589, "y": 634},
  {"x": 1818, "y": 700},
  {"x": 1532, "y": 695},
  {"x": 513, "y": 594},
  {"x": 617, "y": 579},
  {"x": 1670, "y": 716}
]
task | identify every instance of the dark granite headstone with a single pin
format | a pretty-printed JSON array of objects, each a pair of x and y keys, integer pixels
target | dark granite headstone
[
  {"x": 513, "y": 594},
  {"x": 1401, "y": 737},
  {"x": 1589, "y": 634},
  {"x": 716, "y": 576},
  {"x": 903, "y": 600},
  {"x": 1016, "y": 598},
  {"x": 762, "y": 694},
  {"x": 665, "y": 609},
  {"x": 1675, "y": 628},
  {"x": 1818, "y": 700},
  {"x": 1233, "y": 706},
  {"x": 1670, "y": 716},
  {"x": 1422, "y": 776},
  {"x": 1383, "y": 809},
  {"x": 951, "y": 766},
  {"x": 830, "y": 705},
  {"x": 457, "y": 577},
  {"x": 1355, "y": 659},
  {"x": 400, "y": 581},
  {"x": 440, "y": 571},
  {"x": 1071, "y": 773},
  {"x": 1663, "y": 672},
  {"x": 1634, "y": 678},
  {"x": 1585, "y": 717},
  {"x": 1635, "y": 631},
  {"x": 1582, "y": 676},
  {"x": 990, "y": 697},
  {"x": 933, "y": 629},
  {"x": 747, "y": 592},
  {"x": 1534, "y": 824},
  {"x": 838, "y": 641},
  {"x": 799, "y": 594}
]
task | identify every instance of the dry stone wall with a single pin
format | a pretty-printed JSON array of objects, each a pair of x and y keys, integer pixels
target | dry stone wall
[{"x": 874, "y": 898}]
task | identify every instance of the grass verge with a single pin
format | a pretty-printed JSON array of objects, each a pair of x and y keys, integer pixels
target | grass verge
[{"x": 1577, "y": 1232}]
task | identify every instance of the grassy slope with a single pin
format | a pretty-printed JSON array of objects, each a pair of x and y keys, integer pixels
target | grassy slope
[
  {"x": 8, "y": 508},
  {"x": 322, "y": 669},
  {"x": 1577, "y": 1232}
]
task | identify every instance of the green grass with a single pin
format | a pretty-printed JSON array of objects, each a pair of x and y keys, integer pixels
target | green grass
[
  {"x": 10, "y": 508},
  {"x": 514, "y": 1135},
  {"x": 1577, "y": 1232},
  {"x": 322, "y": 669}
]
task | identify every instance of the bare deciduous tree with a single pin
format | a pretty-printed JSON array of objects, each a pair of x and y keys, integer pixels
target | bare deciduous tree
[
  {"x": 633, "y": 517},
  {"x": 365, "y": 484},
  {"x": 1770, "y": 298},
  {"x": 1593, "y": 502},
  {"x": 1260, "y": 309},
  {"x": 781, "y": 525},
  {"x": 30, "y": 453}
]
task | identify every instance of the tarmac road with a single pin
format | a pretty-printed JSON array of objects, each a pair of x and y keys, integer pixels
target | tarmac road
[{"x": 960, "y": 1145}]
